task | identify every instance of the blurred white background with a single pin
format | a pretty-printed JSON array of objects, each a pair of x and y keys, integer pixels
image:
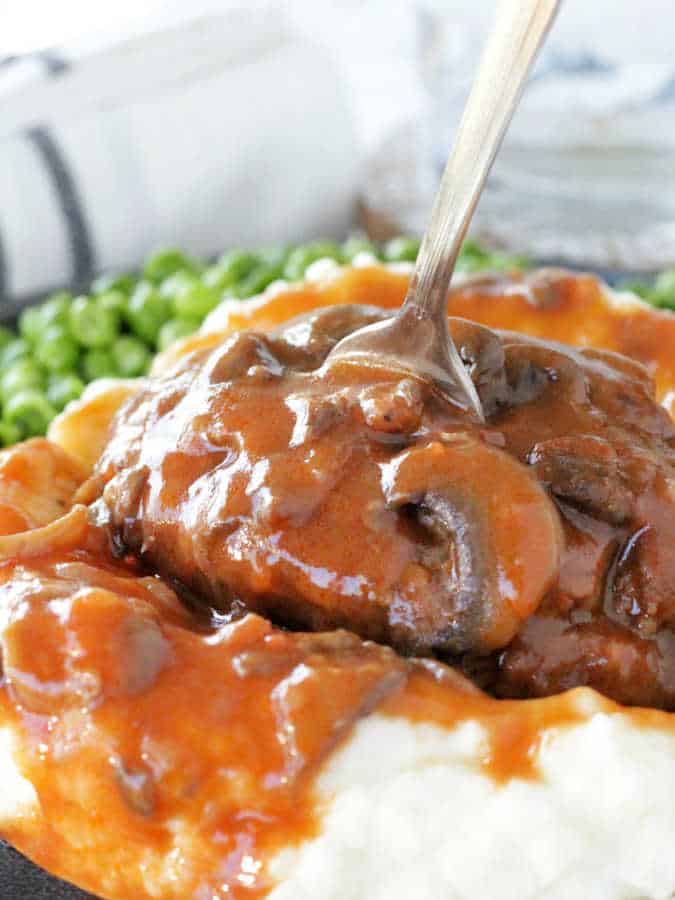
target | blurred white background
[
  {"x": 373, "y": 41},
  {"x": 173, "y": 137}
]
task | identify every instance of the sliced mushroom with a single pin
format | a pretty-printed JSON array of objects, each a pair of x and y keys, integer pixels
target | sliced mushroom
[
  {"x": 139, "y": 652},
  {"x": 585, "y": 470},
  {"x": 481, "y": 350},
  {"x": 533, "y": 369},
  {"x": 625, "y": 392},
  {"x": 616, "y": 365},
  {"x": 305, "y": 341},
  {"x": 494, "y": 561},
  {"x": 137, "y": 787},
  {"x": 551, "y": 655},
  {"x": 244, "y": 352},
  {"x": 640, "y": 586}
]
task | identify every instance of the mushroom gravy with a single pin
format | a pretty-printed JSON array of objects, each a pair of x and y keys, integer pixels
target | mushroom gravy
[
  {"x": 156, "y": 746},
  {"x": 148, "y": 723},
  {"x": 534, "y": 550}
]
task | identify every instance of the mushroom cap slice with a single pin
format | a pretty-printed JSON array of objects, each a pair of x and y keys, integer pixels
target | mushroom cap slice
[{"x": 497, "y": 539}]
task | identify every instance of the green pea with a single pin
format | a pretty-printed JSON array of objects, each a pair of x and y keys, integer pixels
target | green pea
[
  {"x": 131, "y": 356},
  {"x": 98, "y": 364},
  {"x": 502, "y": 262},
  {"x": 638, "y": 287},
  {"x": 257, "y": 280},
  {"x": 303, "y": 256},
  {"x": 401, "y": 249},
  {"x": 13, "y": 351},
  {"x": 176, "y": 283},
  {"x": 174, "y": 330},
  {"x": 195, "y": 301},
  {"x": 471, "y": 249},
  {"x": 470, "y": 264},
  {"x": 6, "y": 336},
  {"x": 472, "y": 259},
  {"x": 62, "y": 389},
  {"x": 275, "y": 255},
  {"x": 358, "y": 243},
  {"x": 24, "y": 373},
  {"x": 114, "y": 300},
  {"x": 663, "y": 293},
  {"x": 166, "y": 262},
  {"x": 9, "y": 434},
  {"x": 235, "y": 265},
  {"x": 148, "y": 310},
  {"x": 55, "y": 309},
  {"x": 230, "y": 269},
  {"x": 113, "y": 282},
  {"x": 35, "y": 320},
  {"x": 93, "y": 325},
  {"x": 29, "y": 411},
  {"x": 58, "y": 350},
  {"x": 30, "y": 324},
  {"x": 216, "y": 278}
]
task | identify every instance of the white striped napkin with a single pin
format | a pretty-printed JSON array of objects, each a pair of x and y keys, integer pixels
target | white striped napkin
[{"x": 222, "y": 130}]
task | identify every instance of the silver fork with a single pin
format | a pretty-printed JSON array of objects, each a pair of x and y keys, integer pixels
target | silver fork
[{"x": 417, "y": 339}]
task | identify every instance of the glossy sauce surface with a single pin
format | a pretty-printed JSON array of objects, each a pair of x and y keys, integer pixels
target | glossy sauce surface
[
  {"x": 149, "y": 738},
  {"x": 554, "y": 304},
  {"x": 145, "y": 732},
  {"x": 158, "y": 740},
  {"x": 305, "y": 512},
  {"x": 361, "y": 499}
]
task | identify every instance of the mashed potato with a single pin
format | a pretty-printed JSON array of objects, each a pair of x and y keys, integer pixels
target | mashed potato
[{"x": 409, "y": 814}]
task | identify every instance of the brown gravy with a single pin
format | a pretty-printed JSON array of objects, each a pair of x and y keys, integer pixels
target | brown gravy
[
  {"x": 133, "y": 718},
  {"x": 133, "y": 714},
  {"x": 536, "y": 547}
]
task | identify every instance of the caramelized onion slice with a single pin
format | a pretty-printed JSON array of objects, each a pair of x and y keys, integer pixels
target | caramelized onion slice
[
  {"x": 38, "y": 481},
  {"x": 65, "y": 533},
  {"x": 497, "y": 533}
]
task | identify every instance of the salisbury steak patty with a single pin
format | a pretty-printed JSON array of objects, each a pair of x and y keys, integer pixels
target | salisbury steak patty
[{"x": 362, "y": 499}]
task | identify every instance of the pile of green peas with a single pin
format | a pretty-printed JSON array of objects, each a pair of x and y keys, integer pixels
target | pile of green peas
[
  {"x": 659, "y": 291},
  {"x": 115, "y": 329}
]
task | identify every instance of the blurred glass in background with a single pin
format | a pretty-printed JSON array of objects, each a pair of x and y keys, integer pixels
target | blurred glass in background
[{"x": 587, "y": 171}]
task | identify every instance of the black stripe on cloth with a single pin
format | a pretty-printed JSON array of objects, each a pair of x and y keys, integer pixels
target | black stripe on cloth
[
  {"x": 55, "y": 63},
  {"x": 79, "y": 238},
  {"x": 51, "y": 58}
]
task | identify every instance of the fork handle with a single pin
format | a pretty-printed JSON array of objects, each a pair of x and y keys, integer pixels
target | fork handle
[{"x": 519, "y": 31}]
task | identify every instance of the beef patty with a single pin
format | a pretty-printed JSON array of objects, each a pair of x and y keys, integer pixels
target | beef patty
[{"x": 536, "y": 550}]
